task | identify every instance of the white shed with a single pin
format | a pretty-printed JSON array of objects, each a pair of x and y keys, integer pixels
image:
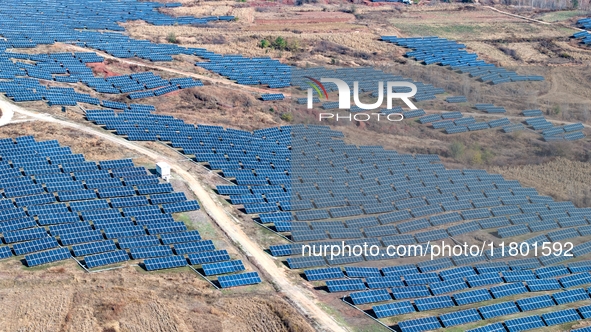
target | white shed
[{"x": 163, "y": 170}]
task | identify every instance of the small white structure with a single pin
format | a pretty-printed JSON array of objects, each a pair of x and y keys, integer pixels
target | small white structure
[{"x": 163, "y": 170}]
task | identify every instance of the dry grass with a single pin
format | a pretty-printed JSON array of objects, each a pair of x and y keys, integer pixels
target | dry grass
[
  {"x": 64, "y": 298},
  {"x": 528, "y": 52},
  {"x": 219, "y": 106},
  {"x": 93, "y": 148},
  {"x": 561, "y": 178}
]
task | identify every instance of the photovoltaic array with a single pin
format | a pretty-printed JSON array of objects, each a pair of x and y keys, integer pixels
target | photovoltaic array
[
  {"x": 436, "y": 50},
  {"x": 57, "y": 205}
]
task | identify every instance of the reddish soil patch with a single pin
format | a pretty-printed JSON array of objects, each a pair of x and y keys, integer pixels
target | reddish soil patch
[{"x": 100, "y": 69}]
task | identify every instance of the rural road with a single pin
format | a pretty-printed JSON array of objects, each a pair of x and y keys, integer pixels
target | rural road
[
  {"x": 262, "y": 260},
  {"x": 531, "y": 19},
  {"x": 518, "y": 16}
]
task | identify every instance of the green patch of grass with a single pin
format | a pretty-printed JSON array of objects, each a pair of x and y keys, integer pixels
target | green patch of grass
[
  {"x": 206, "y": 230},
  {"x": 333, "y": 313},
  {"x": 267, "y": 238},
  {"x": 368, "y": 325},
  {"x": 560, "y": 15},
  {"x": 373, "y": 327},
  {"x": 186, "y": 220}
]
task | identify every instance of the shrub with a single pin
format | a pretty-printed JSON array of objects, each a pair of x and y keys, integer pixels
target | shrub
[
  {"x": 171, "y": 38},
  {"x": 280, "y": 44},
  {"x": 476, "y": 158},
  {"x": 457, "y": 149},
  {"x": 288, "y": 117},
  {"x": 264, "y": 43}
]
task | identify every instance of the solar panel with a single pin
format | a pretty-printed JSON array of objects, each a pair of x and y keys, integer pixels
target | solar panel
[
  {"x": 81, "y": 237},
  {"x": 447, "y": 286},
  {"x": 305, "y": 262},
  {"x": 168, "y": 198},
  {"x": 324, "y": 273},
  {"x": 24, "y": 235},
  {"x": 23, "y": 248},
  {"x": 580, "y": 266},
  {"x": 248, "y": 278},
  {"x": 459, "y": 317},
  {"x": 572, "y": 295},
  {"x": 498, "y": 309},
  {"x": 582, "y": 329},
  {"x": 458, "y": 272},
  {"x": 543, "y": 285},
  {"x": 166, "y": 227},
  {"x": 508, "y": 290},
  {"x": 129, "y": 201},
  {"x": 384, "y": 282},
  {"x": 362, "y": 272},
  {"x": 209, "y": 257},
  {"x": 222, "y": 267},
  {"x": 150, "y": 252},
  {"x": 5, "y": 252},
  {"x": 181, "y": 207},
  {"x": 106, "y": 258},
  {"x": 48, "y": 256},
  {"x": 434, "y": 302},
  {"x": 585, "y": 311},
  {"x": 524, "y": 323},
  {"x": 345, "y": 285},
  {"x": 393, "y": 309},
  {"x": 160, "y": 263},
  {"x": 421, "y": 278},
  {"x": 93, "y": 248},
  {"x": 371, "y": 296},
  {"x": 494, "y": 327},
  {"x": 188, "y": 236},
  {"x": 551, "y": 271},
  {"x": 521, "y": 275},
  {"x": 400, "y": 270},
  {"x": 410, "y": 292},
  {"x": 484, "y": 279},
  {"x": 473, "y": 296},
  {"x": 420, "y": 324},
  {"x": 138, "y": 241},
  {"x": 193, "y": 247},
  {"x": 536, "y": 302},
  {"x": 575, "y": 280}
]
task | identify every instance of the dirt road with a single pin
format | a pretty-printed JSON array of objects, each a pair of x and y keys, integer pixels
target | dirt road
[
  {"x": 531, "y": 19},
  {"x": 263, "y": 261}
]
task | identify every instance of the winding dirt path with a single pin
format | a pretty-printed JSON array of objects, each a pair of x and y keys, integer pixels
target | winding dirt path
[{"x": 532, "y": 19}]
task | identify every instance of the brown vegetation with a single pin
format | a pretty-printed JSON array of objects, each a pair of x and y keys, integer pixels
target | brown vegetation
[
  {"x": 561, "y": 178},
  {"x": 93, "y": 148},
  {"x": 64, "y": 298}
]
